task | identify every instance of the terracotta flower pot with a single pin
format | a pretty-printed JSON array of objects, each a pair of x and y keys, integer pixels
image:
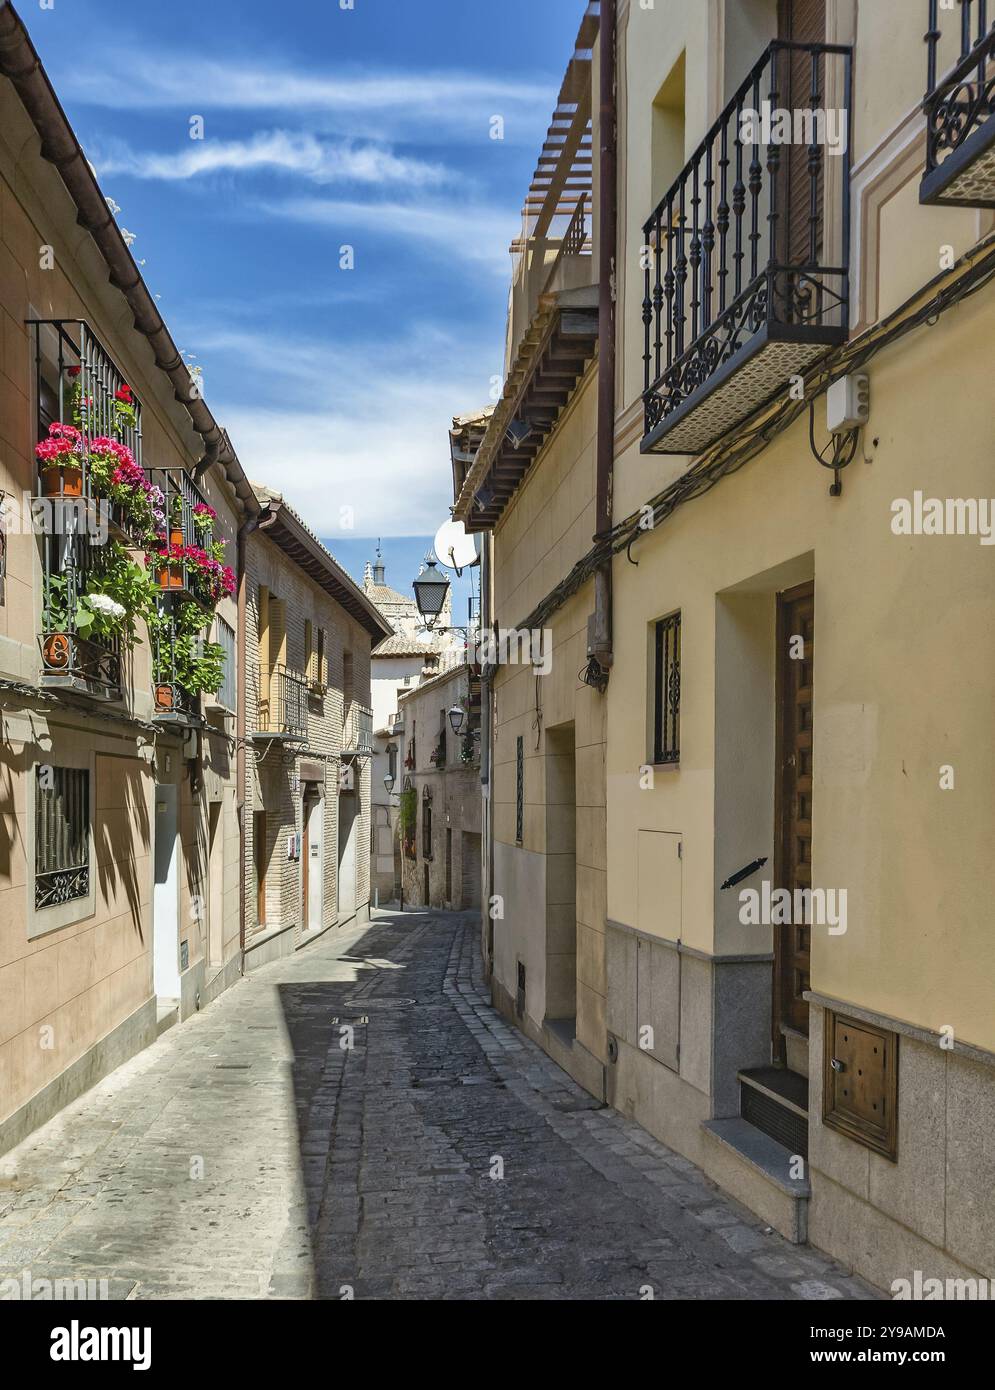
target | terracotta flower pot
[
  {"x": 55, "y": 650},
  {"x": 164, "y": 697},
  {"x": 175, "y": 535},
  {"x": 63, "y": 481}
]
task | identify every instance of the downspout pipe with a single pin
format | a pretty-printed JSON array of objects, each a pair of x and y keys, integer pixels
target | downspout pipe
[
  {"x": 600, "y": 643},
  {"x": 257, "y": 521}
]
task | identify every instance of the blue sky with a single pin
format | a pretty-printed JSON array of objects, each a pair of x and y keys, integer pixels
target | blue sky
[{"x": 323, "y": 127}]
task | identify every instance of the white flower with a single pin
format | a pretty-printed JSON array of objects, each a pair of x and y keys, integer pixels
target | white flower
[{"x": 103, "y": 603}]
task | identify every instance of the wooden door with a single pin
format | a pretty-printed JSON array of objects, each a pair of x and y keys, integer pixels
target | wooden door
[
  {"x": 305, "y": 860},
  {"x": 800, "y": 223},
  {"x": 793, "y": 801}
]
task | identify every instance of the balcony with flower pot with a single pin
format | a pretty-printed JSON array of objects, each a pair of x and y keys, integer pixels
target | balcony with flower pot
[
  {"x": 100, "y": 510},
  {"x": 189, "y": 579},
  {"x": 93, "y": 506}
]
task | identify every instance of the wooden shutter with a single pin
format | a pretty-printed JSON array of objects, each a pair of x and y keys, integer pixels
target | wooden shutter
[
  {"x": 309, "y": 670},
  {"x": 277, "y": 632},
  {"x": 264, "y": 672},
  {"x": 277, "y": 650},
  {"x": 801, "y": 21}
]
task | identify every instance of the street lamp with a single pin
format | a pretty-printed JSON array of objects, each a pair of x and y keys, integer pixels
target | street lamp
[
  {"x": 431, "y": 589},
  {"x": 456, "y": 716},
  {"x": 388, "y": 782}
]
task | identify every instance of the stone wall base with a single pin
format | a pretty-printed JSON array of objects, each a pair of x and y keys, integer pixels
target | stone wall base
[{"x": 136, "y": 1032}]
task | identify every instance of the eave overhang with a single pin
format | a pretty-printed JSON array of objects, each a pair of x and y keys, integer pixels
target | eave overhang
[
  {"x": 310, "y": 556},
  {"x": 553, "y": 357}
]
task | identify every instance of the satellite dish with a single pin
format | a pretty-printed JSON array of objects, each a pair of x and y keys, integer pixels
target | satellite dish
[{"x": 455, "y": 549}]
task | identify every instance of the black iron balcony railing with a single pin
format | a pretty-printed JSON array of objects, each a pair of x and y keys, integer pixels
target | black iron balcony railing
[
  {"x": 283, "y": 704},
  {"x": 960, "y": 106},
  {"x": 747, "y": 255},
  {"x": 180, "y": 500},
  {"x": 78, "y": 385},
  {"x": 357, "y": 734},
  {"x": 172, "y": 650}
]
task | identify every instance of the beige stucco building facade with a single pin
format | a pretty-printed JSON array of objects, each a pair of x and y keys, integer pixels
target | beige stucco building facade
[
  {"x": 532, "y": 486},
  {"x": 759, "y": 928},
  {"x": 118, "y": 817},
  {"x": 832, "y": 698}
]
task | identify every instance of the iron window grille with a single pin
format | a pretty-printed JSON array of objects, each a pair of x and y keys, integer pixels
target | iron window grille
[
  {"x": 737, "y": 282},
  {"x": 284, "y": 711},
  {"x": 960, "y": 107},
  {"x": 519, "y": 789},
  {"x": 667, "y": 691},
  {"x": 62, "y": 835},
  {"x": 426, "y": 827},
  {"x": 224, "y": 635}
]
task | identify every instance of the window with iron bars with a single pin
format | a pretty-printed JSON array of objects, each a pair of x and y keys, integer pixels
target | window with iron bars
[
  {"x": 62, "y": 835},
  {"x": 224, "y": 635},
  {"x": 667, "y": 691}
]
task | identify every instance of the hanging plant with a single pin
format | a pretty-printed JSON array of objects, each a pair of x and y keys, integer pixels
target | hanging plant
[
  {"x": 204, "y": 518},
  {"x": 182, "y": 656},
  {"x": 125, "y": 412}
]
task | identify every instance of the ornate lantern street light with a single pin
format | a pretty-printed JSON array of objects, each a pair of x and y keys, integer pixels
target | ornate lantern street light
[{"x": 431, "y": 589}]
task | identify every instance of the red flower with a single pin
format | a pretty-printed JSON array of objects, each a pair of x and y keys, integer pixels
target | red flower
[
  {"x": 73, "y": 371},
  {"x": 103, "y": 445},
  {"x": 62, "y": 441},
  {"x": 123, "y": 394}
]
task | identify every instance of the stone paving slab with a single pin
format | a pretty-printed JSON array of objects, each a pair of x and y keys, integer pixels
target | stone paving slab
[{"x": 356, "y": 1121}]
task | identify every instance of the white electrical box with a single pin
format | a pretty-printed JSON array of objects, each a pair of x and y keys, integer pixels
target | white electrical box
[{"x": 848, "y": 403}]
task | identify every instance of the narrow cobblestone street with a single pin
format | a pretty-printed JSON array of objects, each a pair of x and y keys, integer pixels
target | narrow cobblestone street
[{"x": 249, "y": 1154}]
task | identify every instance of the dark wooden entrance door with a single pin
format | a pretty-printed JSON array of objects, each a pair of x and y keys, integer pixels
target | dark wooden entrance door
[{"x": 793, "y": 800}]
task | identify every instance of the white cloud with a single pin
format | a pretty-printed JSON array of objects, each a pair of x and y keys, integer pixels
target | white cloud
[
  {"x": 364, "y": 426},
  {"x": 476, "y": 234},
  {"x": 442, "y": 101},
  {"x": 287, "y": 151}
]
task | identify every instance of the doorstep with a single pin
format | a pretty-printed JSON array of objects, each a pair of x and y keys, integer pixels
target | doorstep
[
  {"x": 756, "y": 1170},
  {"x": 167, "y": 1012}
]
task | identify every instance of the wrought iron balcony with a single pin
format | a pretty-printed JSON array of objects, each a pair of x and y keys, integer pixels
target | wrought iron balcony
[
  {"x": 174, "y": 704},
  {"x": 747, "y": 255},
  {"x": 960, "y": 107},
  {"x": 78, "y": 385},
  {"x": 357, "y": 733},
  {"x": 283, "y": 705},
  {"x": 72, "y": 661}
]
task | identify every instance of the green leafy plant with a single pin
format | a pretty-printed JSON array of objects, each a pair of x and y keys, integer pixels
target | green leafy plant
[
  {"x": 181, "y": 654},
  {"x": 117, "y": 592}
]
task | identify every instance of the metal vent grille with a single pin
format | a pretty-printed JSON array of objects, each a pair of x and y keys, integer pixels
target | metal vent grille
[{"x": 774, "y": 1119}]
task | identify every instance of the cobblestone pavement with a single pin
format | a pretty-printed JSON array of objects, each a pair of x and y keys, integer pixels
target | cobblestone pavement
[{"x": 250, "y": 1154}]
